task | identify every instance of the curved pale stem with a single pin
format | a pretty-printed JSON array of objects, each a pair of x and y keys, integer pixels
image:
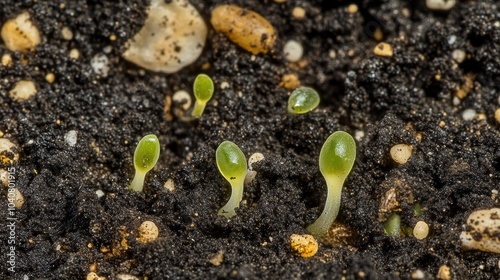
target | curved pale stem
[
  {"x": 138, "y": 181},
  {"x": 198, "y": 109},
  {"x": 331, "y": 210},
  {"x": 234, "y": 201}
]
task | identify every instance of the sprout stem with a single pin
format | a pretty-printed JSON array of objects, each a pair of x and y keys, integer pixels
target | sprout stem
[
  {"x": 332, "y": 205},
  {"x": 198, "y": 109},
  {"x": 138, "y": 181},
  {"x": 234, "y": 201}
]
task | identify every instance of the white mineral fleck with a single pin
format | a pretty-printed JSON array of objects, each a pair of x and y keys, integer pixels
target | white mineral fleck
[
  {"x": 172, "y": 37},
  {"x": 100, "y": 64},
  {"x": 469, "y": 114},
  {"x": 71, "y": 137}
]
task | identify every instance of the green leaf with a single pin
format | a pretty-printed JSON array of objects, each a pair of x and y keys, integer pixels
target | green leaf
[{"x": 303, "y": 100}]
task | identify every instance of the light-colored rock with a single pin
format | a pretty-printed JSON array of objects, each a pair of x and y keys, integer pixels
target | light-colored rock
[
  {"x": 483, "y": 231},
  {"x": 20, "y": 34},
  {"x": 293, "y": 51},
  {"x": 9, "y": 152},
  {"x": 173, "y": 36},
  {"x": 23, "y": 90},
  {"x": 440, "y": 5},
  {"x": 245, "y": 28},
  {"x": 148, "y": 232}
]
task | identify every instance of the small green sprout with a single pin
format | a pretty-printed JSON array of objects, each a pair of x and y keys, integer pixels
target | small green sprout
[
  {"x": 335, "y": 163},
  {"x": 203, "y": 88},
  {"x": 146, "y": 155},
  {"x": 392, "y": 226},
  {"x": 232, "y": 165},
  {"x": 303, "y": 100}
]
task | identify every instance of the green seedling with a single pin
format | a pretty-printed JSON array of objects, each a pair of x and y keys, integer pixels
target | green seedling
[
  {"x": 232, "y": 165},
  {"x": 146, "y": 155},
  {"x": 335, "y": 163},
  {"x": 203, "y": 88},
  {"x": 303, "y": 100},
  {"x": 392, "y": 226}
]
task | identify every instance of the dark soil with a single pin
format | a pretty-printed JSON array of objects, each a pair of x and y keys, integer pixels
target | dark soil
[{"x": 63, "y": 228}]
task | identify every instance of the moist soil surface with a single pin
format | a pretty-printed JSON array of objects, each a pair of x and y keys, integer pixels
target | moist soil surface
[{"x": 64, "y": 230}]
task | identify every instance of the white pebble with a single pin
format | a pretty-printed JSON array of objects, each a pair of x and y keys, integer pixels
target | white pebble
[
  {"x": 182, "y": 97},
  {"x": 456, "y": 101},
  {"x": 482, "y": 231},
  {"x": 469, "y": 114},
  {"x": 440, "y": 5},
  {"x": 293, "y": 51},
  {"x": 100, "y": 64},
  {"x": 172, "y": 37},
  {"x": 458, "y": 55},
  {"x": 359, "y": 134},
  {"x": 71, "y": 137},
  {"x": 99, "y": 193},
  {"x": 452, "y": 39},
  {"x": 256, "y": 157},
  {"x": 224, "y": 85},
  {"x": 23, "y": 90}
]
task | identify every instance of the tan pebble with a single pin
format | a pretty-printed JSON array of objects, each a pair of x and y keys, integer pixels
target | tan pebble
[
  {"x": 169, "y": 185},
  {"x": 217, "y": 259},
  {"x": 400, "y": 153},
  {"x": 463, "y": 91},
  {"x": 93, "y": 267},
  {"x": 9, "y": 152},
  {"x": 442, "y": 124},
  {"x": 50, "y": 77},
  {"x": 20, "y": 34},
  {"x": 127, "y": 277},
  {"x": 497, "y": 115},
  {"x": 298, "y": 13},
  {"x": 246, "y": 28},
  {"x": 280, "y": 1},
  {"x": 112, "y": 37},
  {"x": 290, "y": 81},
  {"x": 304, "y": 245},
  {"x": 421, "y": 230},
  {"x": 352, "y": 8},
  {"x": 383, "y": 49},
  {"x": 74, "y": 54},
  {"x": 23, "y": 90},
  {"x": 93, "y": 276},
  {"x": 66, "y": 33},
  {"x": 444, "y": 272},
  {"x": 7, "y": 60},
  {"x": 378, "y": 34},
  {"x": 148, "y": 232},
  {"x": 168, "y": 108}
]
